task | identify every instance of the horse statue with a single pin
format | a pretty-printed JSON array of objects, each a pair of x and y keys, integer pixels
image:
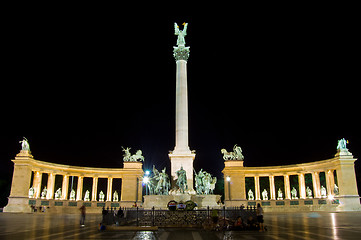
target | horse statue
[
  {"x": 137, "y": 156},
  {"x": 127, "y": 157},
  {"x": 235, "y": 155},
  {"x": 163, "y": 184},
  {"x": 227, "y": 155}
]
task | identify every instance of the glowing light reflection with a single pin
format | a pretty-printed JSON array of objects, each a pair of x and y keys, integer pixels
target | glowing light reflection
[{"x": 334, "y": 225}]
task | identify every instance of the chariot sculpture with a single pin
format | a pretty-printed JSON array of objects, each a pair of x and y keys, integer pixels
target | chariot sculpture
[
  {"x": 235, "y": 155},
  {"x": 127, "y": 157}
]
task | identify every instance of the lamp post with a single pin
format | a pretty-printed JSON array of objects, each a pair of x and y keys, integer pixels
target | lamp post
[{"x": 146, "y": 181}]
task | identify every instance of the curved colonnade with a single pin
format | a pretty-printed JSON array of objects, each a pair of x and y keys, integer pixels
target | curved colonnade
[
  {"x": 338, "y": 184},
  {"x": 29, "y": 172}
]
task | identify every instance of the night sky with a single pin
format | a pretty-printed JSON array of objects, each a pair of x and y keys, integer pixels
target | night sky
[{"x": 283, "y": 86}]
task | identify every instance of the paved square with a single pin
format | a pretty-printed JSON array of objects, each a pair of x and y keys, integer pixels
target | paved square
[{"x": 321, "y": 225}]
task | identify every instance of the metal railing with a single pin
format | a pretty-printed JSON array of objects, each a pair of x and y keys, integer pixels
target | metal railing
[{"x": 180, "y": 218}]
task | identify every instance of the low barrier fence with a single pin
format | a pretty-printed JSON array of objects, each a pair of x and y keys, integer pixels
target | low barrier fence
[{"x": 179, "y": 218}]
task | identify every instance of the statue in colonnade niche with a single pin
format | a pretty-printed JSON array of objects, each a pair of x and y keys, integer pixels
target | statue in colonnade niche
[
  {"x": 43, "y": 193},
  {"x": 250, "y": 195},
  {"x": 335, "y": 189},
  {"x": 235, "y": 155},
  {"x": 264, "y": 195},
  {"x": 58, "y": 194},
  {"x": 72, "y": 195},
  {"x": 115, "y": 197},
  {"x": 308, "y": 192},
  {"x": 127, "y": 157},
  {"x": 101, "y": 196},
  {"x": 323, "y": 192},
  {"x": 294, "y": 193},
  {"x": 279, "y": 194},
  {"x": 25, "y": 144},
  {"x": 31, "y": 192},
  {"x": 87, "y": 196}
]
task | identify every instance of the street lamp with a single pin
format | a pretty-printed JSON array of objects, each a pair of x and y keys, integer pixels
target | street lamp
[{"x": 146, "y": 181}]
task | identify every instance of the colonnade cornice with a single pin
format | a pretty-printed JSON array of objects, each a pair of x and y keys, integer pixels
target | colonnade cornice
[
  {"x": 61, "y": 169},
  {"x": 293, "y": 169}
]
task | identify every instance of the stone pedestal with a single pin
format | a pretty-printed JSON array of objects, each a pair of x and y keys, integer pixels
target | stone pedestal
[
  {"x": 18, "y": 204},
  {"x": 182, "y": 160},
  {"x": 161, "y": 201},
  {"x": 18, "y": 199}
]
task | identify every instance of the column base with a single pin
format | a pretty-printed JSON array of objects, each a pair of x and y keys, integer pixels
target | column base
[
  {"x": 18, "y": 204},
  {"x": 349, "y": 203}
]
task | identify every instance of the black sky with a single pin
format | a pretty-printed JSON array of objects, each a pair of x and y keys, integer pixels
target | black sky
[{"x": 283, "y": 86}]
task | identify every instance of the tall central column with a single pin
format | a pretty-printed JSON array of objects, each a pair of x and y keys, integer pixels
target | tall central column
[
  {"x": 181, "y": 120},
  {"x": 181, "y": 157}
]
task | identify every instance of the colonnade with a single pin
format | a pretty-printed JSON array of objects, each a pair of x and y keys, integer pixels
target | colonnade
[
  {"x": 301, "y": 191},
  {"x": 65, "y": 187},
  {"x": 339, "y": 174},
  {"x": 25, "y": 166}
]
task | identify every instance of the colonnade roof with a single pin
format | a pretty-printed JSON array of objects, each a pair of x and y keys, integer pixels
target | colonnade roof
[
  {"x": 317, "y": 166},
  {"x": 61, "y": 169}
]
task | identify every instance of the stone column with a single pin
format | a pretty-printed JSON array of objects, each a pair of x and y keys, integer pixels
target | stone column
[
  {"x": 256, "y": 188},
  {"x": 181, "y": 155},
  {"x": 302, "y": 184},
  {"x": 332, "y": 181},
  {"x": 64, "y": 187},
  {"x": 109, "y": 189},
  {"x": 272, "y": 187},
  {"x": 95, "y": 188},
  {"x": 328, "y": 175},
  {"x": 50, "y": 186},
  {"x": 287, "y": 187},
  {"x": 37, "y": 183},
  {"x": 316, "y": 185},
  {"x": 79, "y": 191}
]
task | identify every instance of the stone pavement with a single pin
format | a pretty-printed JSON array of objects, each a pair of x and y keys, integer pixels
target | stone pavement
[{"x": 321, "y": 225}]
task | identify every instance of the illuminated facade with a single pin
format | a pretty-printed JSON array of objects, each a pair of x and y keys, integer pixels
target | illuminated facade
[
  {"x": 336, "y": 192},
  {"x": 28, "y": 173}
]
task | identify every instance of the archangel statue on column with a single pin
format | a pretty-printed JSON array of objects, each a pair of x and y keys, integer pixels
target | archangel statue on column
[{"x": 181, "y": 34}]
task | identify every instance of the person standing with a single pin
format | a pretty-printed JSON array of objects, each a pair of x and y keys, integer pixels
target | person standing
[
  {"x": 260, "y": 217},
  {"x": 82, "y": 217}
]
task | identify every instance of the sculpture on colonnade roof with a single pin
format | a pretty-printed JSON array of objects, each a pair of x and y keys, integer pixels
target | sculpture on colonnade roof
[
  {"x": 235, "y": 155},
  {"x": 25, "y": 144},
  {"x": 127, "y": 157}
]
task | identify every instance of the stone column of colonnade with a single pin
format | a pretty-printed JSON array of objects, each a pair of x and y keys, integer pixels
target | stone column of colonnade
[
  {"x": 109, "y": 188},
  {"x": 50, "y": 186},
  {"x": 95, "y": 188},
  {"x": 302, "y": 185},
  {"x": 272, "y": 187}
]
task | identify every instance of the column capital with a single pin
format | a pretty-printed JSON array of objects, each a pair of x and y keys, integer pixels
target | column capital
[{"x": 181, "y": 53}]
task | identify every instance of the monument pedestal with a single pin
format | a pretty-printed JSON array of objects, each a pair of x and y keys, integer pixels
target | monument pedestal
[
  {"x": 161, "y": 201},
  {"x": 184, "y": 160},
  {"x": 18, "y": 204}
]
